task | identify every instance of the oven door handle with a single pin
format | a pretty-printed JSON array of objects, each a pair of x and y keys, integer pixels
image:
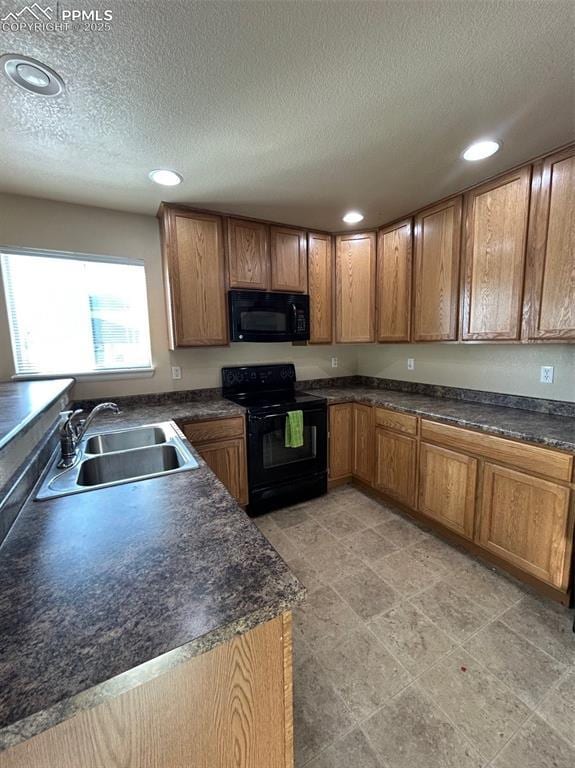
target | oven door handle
[{"x": 285, "y": 413}]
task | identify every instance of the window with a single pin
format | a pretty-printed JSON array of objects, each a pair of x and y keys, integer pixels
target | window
[{"x": 75, "y": 314}]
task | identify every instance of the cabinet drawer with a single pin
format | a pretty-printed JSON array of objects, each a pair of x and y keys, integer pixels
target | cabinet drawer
[
  {"x": 398, "y": 422},
  {"x": 216, "y": 429},
  {"x": 523, "y": 455}
]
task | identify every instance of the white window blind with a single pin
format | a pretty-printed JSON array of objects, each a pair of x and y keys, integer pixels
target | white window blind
[{"x": 74, "y": 314}]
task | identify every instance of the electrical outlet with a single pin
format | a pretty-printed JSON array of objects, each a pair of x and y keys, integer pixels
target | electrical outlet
[
  {"x": 547, "y": 374},
  {"x": 334, "y": 362},
  {"x": 411, "y": 364},
  {"x": 176, "y": 372}
]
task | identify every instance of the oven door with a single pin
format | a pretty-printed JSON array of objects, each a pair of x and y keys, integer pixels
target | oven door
[
  {"x": 268, "y": 317},
  {"x": 269, "y": 461}
]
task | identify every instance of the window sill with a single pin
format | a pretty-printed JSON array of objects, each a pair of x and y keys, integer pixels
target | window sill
[{"x": 109, "y": 375}]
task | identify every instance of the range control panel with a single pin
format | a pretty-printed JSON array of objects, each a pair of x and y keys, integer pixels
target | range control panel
[{"x": 251, "y": 378}]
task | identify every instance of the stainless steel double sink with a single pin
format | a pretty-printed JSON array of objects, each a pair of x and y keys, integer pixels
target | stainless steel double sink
[{"x": 120, "y": 456}]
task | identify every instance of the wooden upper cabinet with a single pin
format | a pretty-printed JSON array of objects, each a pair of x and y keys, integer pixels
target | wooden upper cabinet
[
  {"x": 320, "y": 281},
  {"x": 194, "y": 274},
  {"x": 248, "y": 254},
  {"x": 355, "y": 263},
  {"x": 550, "y": 300},
  {"x": 394, "y": 248},
  {"x": 437, "y": 237},
  {"x": 288, "y": 260},
  {"x": 496, "y": 216},
  {"x": 527, "y": 522}
]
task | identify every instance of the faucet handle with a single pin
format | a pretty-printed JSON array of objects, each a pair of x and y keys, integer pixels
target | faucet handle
[{"x": 68, "y": 427}]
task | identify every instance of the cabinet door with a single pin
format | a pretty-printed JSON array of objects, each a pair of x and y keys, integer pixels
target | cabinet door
[
  {"x": 551, "y": 252},
  {"x": 395, "y": 463},
  {"x": 495, "y": 238},
  {"x": 355, "y": 287},
  {"x": 320, "y": 281},
  {"x": 248, "y": 254},
  {"x": 194, "y": 272},
  {"x": 447, "y": 485},
  {"x": 227, "y": 460},
  {"x": 394, "y": 248},
  {"x": 288, "y": 260},
  {"x": 363, "y": 442},
  {"x": 340, "y": 441},
  {"x": 437, "y": 234},
  {"x": 526, "y": 521}
]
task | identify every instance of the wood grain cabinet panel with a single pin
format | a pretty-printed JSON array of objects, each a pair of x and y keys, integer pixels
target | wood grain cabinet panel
[
  {"x": 288, "y": 260},
  {"x": 397, "y": 422},
  {"x": 550, "y": 303},
  {"x": 363, "y": 442},
  {"x": 394, "y": 256},
  {"x": 532, "y": 458},
  {"x": 227, "y": 460},
  {"x": 495, "y": 242},
  {"x": 248, "y": 254},
  {"x": 395, "y": 465},
  {"x": 447, "y": 485},
  {"x": 194, "y": 277},
  {"x": 214, "y": 429},
  {"x": 229, "y": 707},
  {"x": 320, "y": 286},
  {"x": 340, "y": 441},
  {"x": 355, "y": 265},
  {"x": 437, "y": 238},
  {"x": 527, "y": 522}
]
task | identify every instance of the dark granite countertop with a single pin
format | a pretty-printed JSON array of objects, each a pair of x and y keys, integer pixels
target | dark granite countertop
[
  {"x": 542, "y": 428},
  {"x": 22, "y": 402},
  {"x": 106, "y": 589}
]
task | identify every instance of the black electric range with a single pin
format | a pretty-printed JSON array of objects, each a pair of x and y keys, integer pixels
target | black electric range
[{"x": 279, "y": 476}]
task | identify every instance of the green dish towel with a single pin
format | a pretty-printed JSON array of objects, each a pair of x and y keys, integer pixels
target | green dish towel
[{"x": 294, "y": 429}]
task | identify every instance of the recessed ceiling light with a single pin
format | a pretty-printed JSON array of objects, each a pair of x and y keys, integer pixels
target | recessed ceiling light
[
  {"x": 165, "y": 178},
  {"x": 31, "y": 75},
  {"x": 479, "y": 150},
  {"x": 353, "y": 217}
]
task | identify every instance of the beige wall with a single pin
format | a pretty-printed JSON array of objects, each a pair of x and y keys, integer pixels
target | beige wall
[
  {"x": 34, "y": 223},
  {"x": 46, "y": 224},
  {"x": 497, "y": 368}
]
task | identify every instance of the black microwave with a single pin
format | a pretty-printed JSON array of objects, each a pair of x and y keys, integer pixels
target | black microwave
[{"x": 260, "y": 316}]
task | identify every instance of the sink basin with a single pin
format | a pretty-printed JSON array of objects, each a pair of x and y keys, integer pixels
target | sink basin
[
  {"x": 110, "y": 468},
  {"x": 125, "y": 439},
  {"x": 121, "y": 456}
]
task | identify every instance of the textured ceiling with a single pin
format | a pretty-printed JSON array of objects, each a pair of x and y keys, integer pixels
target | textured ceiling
[{"x": 292, "y": 111}]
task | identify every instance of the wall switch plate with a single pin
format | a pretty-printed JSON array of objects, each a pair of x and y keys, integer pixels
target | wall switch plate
[
  {"x": 334, "y": 362},
  {"x": 176, "y": 372},
  {"x": 547, "y": 374},
  {"x": 411, "y": 364}
]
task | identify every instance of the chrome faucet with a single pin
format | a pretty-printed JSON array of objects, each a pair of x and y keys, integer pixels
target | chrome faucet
[{"x": 71, "y": 432}]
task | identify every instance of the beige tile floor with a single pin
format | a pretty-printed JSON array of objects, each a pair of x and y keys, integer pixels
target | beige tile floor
[{"x": 411, "y": 654}]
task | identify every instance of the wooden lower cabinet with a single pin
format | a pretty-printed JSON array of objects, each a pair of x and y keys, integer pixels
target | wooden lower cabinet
[
  {"x": 527, "y": 521},
  {"x": 340, "y": 441},
  {"x": 395, "y": 465},
  {"x": 222, "y": 445},
  {"x": 521, "y": 511},
  {"x": 447, "y": 486},
  {"x": 231, "y": 706},
  {"x": 227, "y": 460},
  {"x": 363, "y": 442}
]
